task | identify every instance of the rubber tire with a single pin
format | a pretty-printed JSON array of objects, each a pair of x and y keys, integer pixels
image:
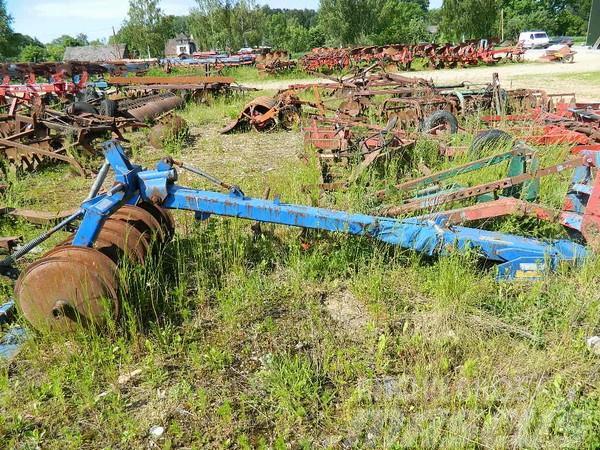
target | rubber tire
[
  {"x": 489, "y": 138},
  {"x": 568, "y": 59},
  {"x": 439, "y": 117},
  {"x": 108, "y": 108},
  {"x": 82, "y": 107}
]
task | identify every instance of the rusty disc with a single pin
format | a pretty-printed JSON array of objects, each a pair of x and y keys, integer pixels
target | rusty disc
[
  {"x": 100, "y": 264},
  {"x": 58, "y": 293},
  {"x": 126, "y": 237},
  {"x": 143, "y": 220},
  {"x": 117, "y": 240},
  {"x": 107, "y": 243},
  {"x": 164, "y": 217}
]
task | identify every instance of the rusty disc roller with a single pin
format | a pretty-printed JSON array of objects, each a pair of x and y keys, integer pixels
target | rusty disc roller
[{"x": 74, "y": 286}]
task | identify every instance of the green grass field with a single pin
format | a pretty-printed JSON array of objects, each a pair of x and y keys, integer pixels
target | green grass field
[{"x": 243, "y": 341}]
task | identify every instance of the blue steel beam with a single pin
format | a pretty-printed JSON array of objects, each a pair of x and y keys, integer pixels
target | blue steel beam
[
  {"x": 423, "y": 236},
  {"x": 518, "y": 256}
]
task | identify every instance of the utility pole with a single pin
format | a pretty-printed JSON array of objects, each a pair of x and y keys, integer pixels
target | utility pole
[{"x": 502, "y": 25}]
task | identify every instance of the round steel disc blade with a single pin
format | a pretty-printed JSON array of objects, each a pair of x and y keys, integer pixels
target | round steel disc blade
[
  {"x": 108, "y": 243},
  {"x": 126, "y": 237},
  {"x": 163, "y": 215},
  {"x": 97, "y": 262},
  {"x": 59, "y": 293},
  {"x": 141, "y": 219},
  {"x": 117, "y": 240}
]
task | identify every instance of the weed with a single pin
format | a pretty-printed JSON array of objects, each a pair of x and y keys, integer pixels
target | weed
[{"x": 236, "y": 347}]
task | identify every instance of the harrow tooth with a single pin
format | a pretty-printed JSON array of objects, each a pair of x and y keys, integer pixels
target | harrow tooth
[{"x": 71, "y": 286}]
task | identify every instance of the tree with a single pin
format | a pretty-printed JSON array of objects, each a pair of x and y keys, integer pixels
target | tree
[
  {"x": 423, "y": 4},
  {"x": 17, "y": 42},
  {"x": 227, "y": 24},
  {"x": 146, "y": 29},
  {"x": 5, "y": 30},
  {"x": 556, "y": 17},
  {"x": 283, "y": 31},
  {"x": 33, "y": 53},
  {"x": 210, "y": 24},
  {"x": 400, "y": 22},
  {"x": 56, "y": 48},
  {"x": 469, "y": 19},
  {"x": 347, "y": 22}
]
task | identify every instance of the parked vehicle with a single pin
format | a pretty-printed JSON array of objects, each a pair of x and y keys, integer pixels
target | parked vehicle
[
  {"x": 534, "y": 39},
  {"x": 562, "y": 40}
]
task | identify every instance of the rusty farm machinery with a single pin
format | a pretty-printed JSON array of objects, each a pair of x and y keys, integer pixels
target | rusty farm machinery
[
  {"x": 44, "y": 121},
  {"x": 439, "y": 197},
  {"x": 27, "y": 140},
  {"x": 401, "y": 56},
  {"x": 76, "y": 283},
  {"x": 267, "y": 113}
]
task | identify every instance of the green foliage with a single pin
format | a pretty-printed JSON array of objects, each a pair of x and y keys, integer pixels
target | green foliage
[
  {"x": 350, "y": 22},
  {"x": 56, "y": 48},
  {"x": 557, "y": 17},
  {"x": 294, "y": 389},
  {"x": 469, "y": 19},
  {"x": 33, "y": 53},
  {"x": 17, "y": 42},
  {"x": 347, "y": 22},
  {"x": 401, "y": 22},
  {"x": 226, "y": 24},
  {"x": 146, "y": 28},
  {"x": 5, "y": 30},
  {"x": 475, "y": 19},
  {"x": 286, "y": 32}
]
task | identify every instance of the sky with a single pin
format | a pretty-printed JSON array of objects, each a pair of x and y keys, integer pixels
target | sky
[{"x": 48, "y": 19}]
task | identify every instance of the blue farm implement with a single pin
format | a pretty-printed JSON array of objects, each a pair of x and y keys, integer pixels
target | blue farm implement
[
  {"x": 77, "y": 282},
  {"x": 514, "y": 194}
]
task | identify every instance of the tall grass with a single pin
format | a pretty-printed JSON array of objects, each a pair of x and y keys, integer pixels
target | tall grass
[{"x": 237, "y": 348}]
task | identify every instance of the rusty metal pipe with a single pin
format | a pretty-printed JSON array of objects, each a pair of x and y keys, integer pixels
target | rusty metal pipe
[{"x": 155, "y": 108}]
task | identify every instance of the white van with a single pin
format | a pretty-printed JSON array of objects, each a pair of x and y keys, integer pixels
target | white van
[{"x": 534, "y": 39}]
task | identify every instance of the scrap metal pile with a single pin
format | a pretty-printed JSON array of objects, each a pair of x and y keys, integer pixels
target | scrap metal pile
[
  {"x": 515, "y": 194},
  {"x": 401, "y": 57},
  {"x": 565, "y": 122},
  {"x": 210, "y": 62},
  {"x": 351, "y": 124},
  {"x": 41, "y": 122},
  {"x": 267, "y": 113},
  {"x": 274, "y": 62},
  {"x": 186, "y": 84},
  {"x": 369, "y": 117},
  {"x": 61, "y": 80},
  {"x": 29, "y": 138}
]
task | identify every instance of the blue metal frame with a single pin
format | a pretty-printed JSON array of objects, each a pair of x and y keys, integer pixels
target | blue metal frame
[
  {"x": 518, "y": 256},
  {"x": 13, "y": 339}
]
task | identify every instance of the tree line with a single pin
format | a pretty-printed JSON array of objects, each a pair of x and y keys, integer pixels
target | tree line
[{"x": 233, "y": 24}]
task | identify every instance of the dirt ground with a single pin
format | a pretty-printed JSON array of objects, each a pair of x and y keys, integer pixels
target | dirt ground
[{"x": 553, "y": 77}]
